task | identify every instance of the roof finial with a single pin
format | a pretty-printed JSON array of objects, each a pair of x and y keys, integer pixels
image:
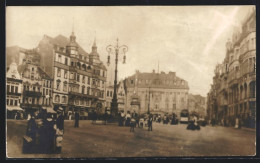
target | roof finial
[
  {"x": 73, "y": 26},
  {"x": 95, "y": 39}
]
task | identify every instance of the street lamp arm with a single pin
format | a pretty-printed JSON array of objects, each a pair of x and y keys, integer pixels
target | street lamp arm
[
  {"x": 124, "y": 48},
  {"x": 109, "y": 49}
]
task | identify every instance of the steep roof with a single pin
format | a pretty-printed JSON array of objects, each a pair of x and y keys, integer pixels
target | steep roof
[
  {"x": 63, "y": 41},
  {"x": 173, "y": 81},
  {"x": 43, "y": 74}
]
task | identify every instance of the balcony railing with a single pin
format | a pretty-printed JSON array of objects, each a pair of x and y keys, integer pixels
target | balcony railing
[
  {"x": 32, "y": 93},
  {"x": 14, "y": 93}
]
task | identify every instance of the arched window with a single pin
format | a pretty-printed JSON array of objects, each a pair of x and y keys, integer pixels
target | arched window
[
  {"x": 252, "y": 90},
  {"x": 78, "y": 65},
  {"x": 57, "y": 98},
  {"x": 84, "y": 67},
  {"x": 58, "y": 84},
  {"x": 64, "y": 99},
  {"x": 245, "y": 91},
  {"x": 241, "y": 92}
]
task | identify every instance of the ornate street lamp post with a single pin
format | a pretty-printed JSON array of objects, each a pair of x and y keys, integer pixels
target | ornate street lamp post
[{"x": 115, "y": 50}]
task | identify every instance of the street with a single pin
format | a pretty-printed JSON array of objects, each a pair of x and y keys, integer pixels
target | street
[{"x": 110, "y": 140}]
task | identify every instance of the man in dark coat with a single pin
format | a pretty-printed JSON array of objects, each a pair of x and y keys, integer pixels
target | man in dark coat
[
  {"x": 76, "y": 120},
  {"x": 47, "y": 135},
  {"x": 60, "y": 119},
  {"x": 29, "y": 143},
  {"x": 150, "y": 123}
]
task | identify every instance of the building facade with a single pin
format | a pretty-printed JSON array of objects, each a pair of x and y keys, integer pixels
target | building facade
[
  {"x": 233, "y": 92},
  {"x": 197, "y": 104},
  {"x": 160, "y": 93},
  {"x": 79, "y": 77},
  {"x": 121, "y": 96},
  {"x": 32, "y": 82},
  {"x": 13, "y": 90}
]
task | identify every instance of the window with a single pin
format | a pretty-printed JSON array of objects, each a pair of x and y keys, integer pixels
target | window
[
  {"x": 15, "y": 103},
  {"x": 83, "y": 90},
  {"x": 93, "y": 81},
  {"x": 7, "y": 101},
  {"x": 111, "y": 93},
  {"x": 8, "y": 88},
  {"x": 65, "y": 74},
  {"x": 59, "y": 58},
  {"x": 103, "y": 73},
  {"x": 88, "y": 80},
  {"x": 83, "y": 79},
  {"x": 57, "y": 98},
  {"x": 43, "y": 90},
  {"x": 33, "y": 101},
  {"x": 78, "y": 77},
  {"x": 66, "y": 61},
  {"x": 71, "y": 75},
  {"x": 65, "y": 86},
  {"x": 39, "y": 89},
  {"x": 64, "y": 99},
  {"x": 11, "y": 102},
  {"x": 107, "y": 93},
  {"x": 50, "y": 92},
  {"x": 12, "y": 89},
  {"x": 58, "y": 85},
  {"x": 88, "y": 91},
  {"x": 72, "y": 64},
  {"x": 58, "y": 72}
]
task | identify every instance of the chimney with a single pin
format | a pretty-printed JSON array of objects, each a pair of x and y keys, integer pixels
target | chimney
[{"x": 172, "y": 73}]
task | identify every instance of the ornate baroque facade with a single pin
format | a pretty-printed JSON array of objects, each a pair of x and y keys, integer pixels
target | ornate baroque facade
[{"x": 233, "y": 92}]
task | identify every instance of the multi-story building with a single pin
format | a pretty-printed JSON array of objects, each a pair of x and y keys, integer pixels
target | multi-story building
[
  {"x": 121, "y": 96},
  {"x": 233, "y": 92},
  {"x": 79, "y": 78},
  {"x": 32, "y": 84},
  {"x": 160, "y": 92},
  {"x": 46, "y": 91},
  {"x": 197, "y": 104},
  {"x": 13, "y": 90}
]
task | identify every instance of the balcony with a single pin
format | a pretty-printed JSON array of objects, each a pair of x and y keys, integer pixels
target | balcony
[
  {"x": 79, "y": 94},
  {"x": 32, "y": 93},
  {"x": 14, "y": 93}
]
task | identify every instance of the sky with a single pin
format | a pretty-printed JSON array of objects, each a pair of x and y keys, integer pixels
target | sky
[{"x": 188, "y": 40}]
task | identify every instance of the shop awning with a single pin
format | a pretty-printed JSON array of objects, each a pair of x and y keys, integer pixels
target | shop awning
[{"x": 14, "y": 108}]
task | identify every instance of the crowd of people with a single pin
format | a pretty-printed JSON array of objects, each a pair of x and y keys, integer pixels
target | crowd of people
[
  {"x": 134, "y": 120},
  {"x": 46, "y": 135}
]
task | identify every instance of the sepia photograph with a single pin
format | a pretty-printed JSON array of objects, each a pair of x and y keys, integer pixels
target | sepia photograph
[{"x": 130, "y": 81}]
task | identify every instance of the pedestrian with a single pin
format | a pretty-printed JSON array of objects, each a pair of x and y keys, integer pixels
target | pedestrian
[
  {"x": 47, "y": 134},
  {"x": 76, "y": 119},
  {"x": 150, "y": 123},
  {"x": 29, "y": 143},
  {"x": 59, "y": 130},
  {"x": 132, "y": 124}
]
